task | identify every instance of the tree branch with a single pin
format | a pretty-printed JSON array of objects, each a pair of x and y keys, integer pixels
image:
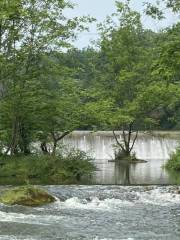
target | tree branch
[
  {"x": 58, "y": 138},
  {"x": 134, "y": 141},
  {"x": 118, "y": 143}
]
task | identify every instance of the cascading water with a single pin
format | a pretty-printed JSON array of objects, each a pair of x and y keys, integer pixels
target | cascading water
[
  {"x": 100, "y": 145},
  {"x": 155, "y": 149}
]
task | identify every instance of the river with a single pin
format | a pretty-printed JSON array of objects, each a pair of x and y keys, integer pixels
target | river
[
  {"x": 97, "y": 213},
  {"x": 109, "y": 211}
]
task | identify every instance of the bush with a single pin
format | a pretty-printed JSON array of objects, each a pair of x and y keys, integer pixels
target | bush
[
  {"x": 121, "y": 155},
  {"x": 69, "y": 167},
  {"x": 174, "y": 161}
]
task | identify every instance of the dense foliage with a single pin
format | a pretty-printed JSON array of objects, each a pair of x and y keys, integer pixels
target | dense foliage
[
  {"x": 39, "y": 96},
  {"x": 174, "y": 161},
  {"x": 128, "y": 82},
  {"x": 72, "y": 166},
  {"x": 136, "y": 86}
]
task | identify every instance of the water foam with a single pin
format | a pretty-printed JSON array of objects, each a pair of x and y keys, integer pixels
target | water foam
[
  {"x": 162, "y": 196},
  {"x": 28, "y": 218},
  {"x": 7, "y": 237},
  {"x": 94, "y": 204},
  {"x": 159, "y": 197},
  {"x": 97, "y": 238}
]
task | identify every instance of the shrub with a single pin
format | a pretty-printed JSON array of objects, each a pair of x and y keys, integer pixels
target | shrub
[
  {"x": 78, "y": 163},
  {"x": 71, "y": 166},
  {"x": 174, "y": 161},
  {"x": 121, "y": 155}
]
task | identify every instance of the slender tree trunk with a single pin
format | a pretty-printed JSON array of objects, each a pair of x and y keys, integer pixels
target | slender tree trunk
[
  {"x": 14, "y": 138},
  {"x": 12, "y": 148},
  {"x": 24, "y": 142},
  {"x": 44, "y": 148},
  {"x": 54, "y": 147},
  {"x": 127, "y": 144},
  {"x": 56, "y": 138}
]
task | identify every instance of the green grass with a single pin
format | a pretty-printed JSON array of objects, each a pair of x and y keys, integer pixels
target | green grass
[
  {"x": 44, "y": 169},
  {"x": 174, "y": 161}
]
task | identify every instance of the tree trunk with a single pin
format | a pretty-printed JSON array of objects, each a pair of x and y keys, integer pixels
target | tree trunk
[
  {"x": 24, "y": 141},
  {"x": 127, "y": 144},
  {"x": 12, "y": 148},
  {"x": 44, "y": 148},
  {"x": 54, "y": 147},
  {"x": 56, "y": 138}
]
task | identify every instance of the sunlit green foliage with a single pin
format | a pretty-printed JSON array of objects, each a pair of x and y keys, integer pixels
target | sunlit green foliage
[
  {"x": 129, "y": 82},
  {"x": 37, "y": 92}
]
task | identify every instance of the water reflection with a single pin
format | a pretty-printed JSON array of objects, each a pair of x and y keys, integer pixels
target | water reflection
[
  {"x": 122, "y": 173},
  {"x": 113, "y": 173},
  {"x": 151, "y": 172},
  {"x": 155, "y": 150}
]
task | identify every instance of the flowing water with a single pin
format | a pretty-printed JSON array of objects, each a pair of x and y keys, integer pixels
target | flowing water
[
  {"x": 97, "y": 212},
  {"x": 106, "y": 212}
]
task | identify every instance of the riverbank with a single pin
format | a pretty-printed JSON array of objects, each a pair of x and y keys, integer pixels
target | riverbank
[{"x": 45, "y": 169}]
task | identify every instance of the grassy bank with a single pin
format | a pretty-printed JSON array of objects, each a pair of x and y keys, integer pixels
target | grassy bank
[{"x": 46, "y": 169}]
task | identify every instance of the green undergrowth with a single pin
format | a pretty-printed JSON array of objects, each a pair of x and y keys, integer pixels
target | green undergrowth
[
  {"x": 121, "y": 156},
  {"x": 44, "y": 169},
  {"x": 174, "y": 161}
]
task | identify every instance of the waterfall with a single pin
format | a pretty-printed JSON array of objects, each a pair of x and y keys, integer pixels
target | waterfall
[{"x": 100, "y": 144}]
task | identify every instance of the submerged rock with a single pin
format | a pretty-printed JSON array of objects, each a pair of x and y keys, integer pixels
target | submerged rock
[{"x": 26, "y": 196}]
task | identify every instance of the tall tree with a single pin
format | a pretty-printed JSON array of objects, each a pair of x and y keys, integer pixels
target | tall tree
[
  {"x": 60, "y": 110},
  {"x": 28, "y": 30},
  {"x": 128, "y": 51}
]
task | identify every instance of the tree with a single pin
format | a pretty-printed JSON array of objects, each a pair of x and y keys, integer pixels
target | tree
[
  {"x": 127, "y": 48},
  {"x": 60, "y": 110},
  {"x": 166, "y": 66},
  {"x": 28, "y": 30},
  {"x": 85, "y": 64},
  {"x": 165, "y": 70},
  {"x": 157, "y": 10}
]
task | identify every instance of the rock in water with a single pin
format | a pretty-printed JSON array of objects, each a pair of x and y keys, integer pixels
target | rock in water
[{"x": 26, "y": 196}]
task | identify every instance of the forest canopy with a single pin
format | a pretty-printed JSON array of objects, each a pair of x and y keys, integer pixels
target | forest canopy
[{"x": 128, "y": 81}]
